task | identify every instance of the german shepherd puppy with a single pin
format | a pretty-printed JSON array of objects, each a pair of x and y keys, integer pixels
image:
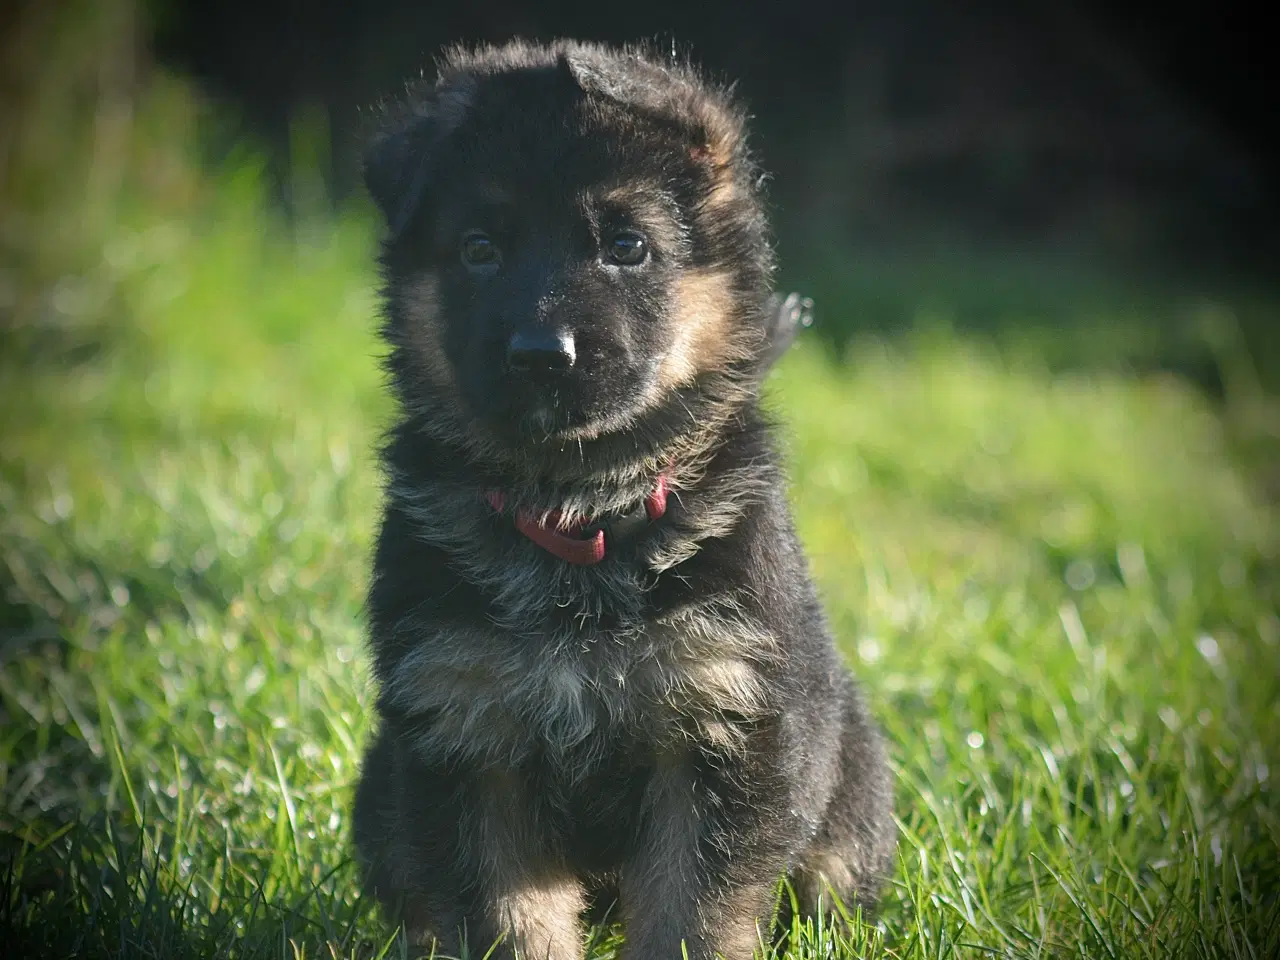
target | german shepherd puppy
[{"x": 601, "y": 663}]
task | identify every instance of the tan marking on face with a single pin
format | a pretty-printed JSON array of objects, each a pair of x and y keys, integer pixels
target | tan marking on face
[
  {"x": 626, "y": 194},
  {"x": 724, "y": 190},
  {"x": 722, "y": 137},
  {"x": 424, "y": 335},
  {"x": 717, "y": 155},
  {"x": 642, "y": 205},
  {"x": 702, "y": 338}
]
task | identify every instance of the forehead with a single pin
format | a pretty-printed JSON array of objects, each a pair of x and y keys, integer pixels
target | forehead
[{"x": 534, "y": 132}]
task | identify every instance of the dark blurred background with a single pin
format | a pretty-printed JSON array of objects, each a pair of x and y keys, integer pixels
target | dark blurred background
[
  {"x": 1138, "y": 129},
  {"x": 1002, "y": 160}
]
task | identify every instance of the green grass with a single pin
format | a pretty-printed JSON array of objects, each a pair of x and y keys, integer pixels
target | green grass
[{"x": 1059, "y": 588}]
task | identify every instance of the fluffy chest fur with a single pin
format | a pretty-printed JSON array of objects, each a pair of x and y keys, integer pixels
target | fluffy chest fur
[{"x": 499, "y": 697}]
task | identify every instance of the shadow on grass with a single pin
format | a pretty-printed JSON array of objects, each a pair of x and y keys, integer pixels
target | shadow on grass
[{"x": 121, "y": 893}]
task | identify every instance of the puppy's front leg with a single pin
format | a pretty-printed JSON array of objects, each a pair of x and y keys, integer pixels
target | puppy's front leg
[
  {"x": 694, "y": 879},
  {"x": 525, "y": 895},
  {"x": 461, "y": 857}
]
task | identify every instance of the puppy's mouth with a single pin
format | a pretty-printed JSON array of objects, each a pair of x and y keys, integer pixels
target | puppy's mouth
[
  {"x": 556, "y": 423},
  {"x": 545, "y": 414},
  {"x": 545, "y": 417},
  {"x": 563, "y": 409}
]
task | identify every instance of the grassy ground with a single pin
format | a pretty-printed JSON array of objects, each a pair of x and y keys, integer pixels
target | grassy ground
[{"x": 1059, "y": 588}]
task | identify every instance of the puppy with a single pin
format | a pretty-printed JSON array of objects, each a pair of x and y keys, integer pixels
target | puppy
[{"x": 601, "y": 662}]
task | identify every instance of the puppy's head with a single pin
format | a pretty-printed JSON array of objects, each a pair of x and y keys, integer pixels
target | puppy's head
[{"x": 575, "y": 242}]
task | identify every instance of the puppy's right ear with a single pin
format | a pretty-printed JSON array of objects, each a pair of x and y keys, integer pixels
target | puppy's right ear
[
  {"x": 399, "y": 159},
  {"x": 395, "y": 171}
]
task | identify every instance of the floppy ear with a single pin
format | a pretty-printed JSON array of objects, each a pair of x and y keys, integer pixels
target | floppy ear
[
  {"x": 396, "y": 165},
  {"x": 399, "y": 158}
]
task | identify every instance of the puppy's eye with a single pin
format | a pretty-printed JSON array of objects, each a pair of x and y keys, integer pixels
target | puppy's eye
[
  {"x": 627, "y": 248},
  {"x": 480, "y": 252}
]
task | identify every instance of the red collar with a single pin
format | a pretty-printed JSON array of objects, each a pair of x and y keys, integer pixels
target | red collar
[{"x": 582, "y": 543}]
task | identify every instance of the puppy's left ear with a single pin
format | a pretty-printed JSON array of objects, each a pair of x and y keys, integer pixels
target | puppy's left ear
[{"x": 398, "y": 161}]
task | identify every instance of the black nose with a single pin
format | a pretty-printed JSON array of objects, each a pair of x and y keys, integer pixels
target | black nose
[{"x": 540, "y": 351}]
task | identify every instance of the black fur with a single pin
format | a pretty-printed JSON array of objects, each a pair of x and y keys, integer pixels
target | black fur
[{"x": 673, "y": 724}]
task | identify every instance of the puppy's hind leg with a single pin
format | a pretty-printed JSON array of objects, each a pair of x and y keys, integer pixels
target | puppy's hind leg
[
  {"x": 393, "y": 871},
  {"x": 851, "y": 854}
]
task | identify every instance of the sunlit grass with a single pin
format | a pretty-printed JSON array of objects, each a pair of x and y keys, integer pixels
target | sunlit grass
[{"x": 1058, "y": 588}]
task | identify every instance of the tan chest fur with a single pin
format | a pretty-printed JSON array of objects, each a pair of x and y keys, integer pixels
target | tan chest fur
[{"x": 494, "y": 696}]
